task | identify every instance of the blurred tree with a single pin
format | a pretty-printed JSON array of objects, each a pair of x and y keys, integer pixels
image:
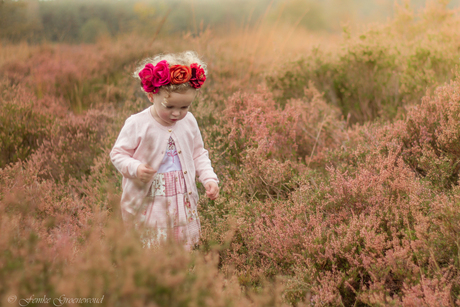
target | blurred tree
[
  {"x": 60, "y": 22},
  {"x": 92, "y": 30},
  {"x": 19, "y": 20},
  {"x": 63, "y": 20}
]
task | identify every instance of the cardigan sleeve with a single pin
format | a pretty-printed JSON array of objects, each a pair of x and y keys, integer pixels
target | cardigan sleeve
[
  {"x": 203, "y": 167},
  {"x": 124, "y": 149}
]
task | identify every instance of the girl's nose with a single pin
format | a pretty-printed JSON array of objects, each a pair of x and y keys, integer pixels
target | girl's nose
[{"x": 175, "y": 113}]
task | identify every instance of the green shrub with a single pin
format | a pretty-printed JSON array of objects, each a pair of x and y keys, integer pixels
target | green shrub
[{"x": 376, "y": 73}]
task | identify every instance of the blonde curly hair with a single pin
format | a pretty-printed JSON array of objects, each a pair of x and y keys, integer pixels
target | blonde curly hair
[{"x": 183, "y": 58}]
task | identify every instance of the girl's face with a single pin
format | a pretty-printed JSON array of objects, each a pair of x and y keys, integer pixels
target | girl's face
[{"x": 168, "y": 110}]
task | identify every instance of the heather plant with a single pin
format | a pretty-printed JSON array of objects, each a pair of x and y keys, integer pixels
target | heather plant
[
  {"x": 46, "y": 211},
  {"x": 73, "y": 144},
  {"x": 76, "y": 74},
  {"x": 128, "y": 274},
  {"x": 431, "y": 137},
  {"x": 107, "y": 257},
  {"x": 380, "y": 70},
  {"x": 320, "y": 127},
  {"x": 363, "y": 236},
  {"x": 24, "y": 121},
  {"x": 370, "y": 231},
  {"x": 255, "y": 121},
  {"x": 51, "y": 67},
  {"x": 251, "y": 136}
]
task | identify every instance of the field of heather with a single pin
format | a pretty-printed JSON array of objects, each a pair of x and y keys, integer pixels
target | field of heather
[{"x": 338, "y": 154}]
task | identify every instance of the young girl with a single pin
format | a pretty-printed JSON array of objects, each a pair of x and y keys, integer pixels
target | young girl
[{"x": 160, "y": 151}]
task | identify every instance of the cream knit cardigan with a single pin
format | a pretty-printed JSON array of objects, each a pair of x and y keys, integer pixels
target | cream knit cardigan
[{"x": 143, "y": 140}]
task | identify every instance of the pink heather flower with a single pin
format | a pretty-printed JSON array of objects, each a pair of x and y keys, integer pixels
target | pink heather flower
[
  {"x": 152, "y": 77},
  {"x": 198, "y": 76}
]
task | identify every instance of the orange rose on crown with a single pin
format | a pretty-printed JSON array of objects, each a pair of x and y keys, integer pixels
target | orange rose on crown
[
  {"x": 153, "y": 77},
  {"x": 180, "y": 74}
]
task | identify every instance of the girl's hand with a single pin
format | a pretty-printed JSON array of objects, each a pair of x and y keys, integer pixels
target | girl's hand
[
  {"x": 145, "y": 173},
  {"x": 212, "y": 189}
]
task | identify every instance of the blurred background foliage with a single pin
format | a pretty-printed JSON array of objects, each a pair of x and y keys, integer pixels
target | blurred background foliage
[{"x": 85, "y": 20}]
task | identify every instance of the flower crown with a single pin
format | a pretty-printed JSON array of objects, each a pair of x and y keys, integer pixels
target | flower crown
[{"x": 153, "y": 77}]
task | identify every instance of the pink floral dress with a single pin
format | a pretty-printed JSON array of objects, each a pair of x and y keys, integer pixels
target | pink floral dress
[{"x": 168, "y": 211}]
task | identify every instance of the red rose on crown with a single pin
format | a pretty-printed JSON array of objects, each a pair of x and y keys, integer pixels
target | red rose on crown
[
  {"x": 152, "y": 77},
  {"x": 198, "y": 76}
]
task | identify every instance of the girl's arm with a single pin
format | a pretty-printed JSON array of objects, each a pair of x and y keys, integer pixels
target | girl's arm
[
  {"x": 201, "y": 159},
  {"x": 124, "y": 149}
]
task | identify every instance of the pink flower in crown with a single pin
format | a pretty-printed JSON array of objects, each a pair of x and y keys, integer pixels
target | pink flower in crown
[
  {"x": 152, "y": 77},
  {"x": 198, "y": 76}
]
